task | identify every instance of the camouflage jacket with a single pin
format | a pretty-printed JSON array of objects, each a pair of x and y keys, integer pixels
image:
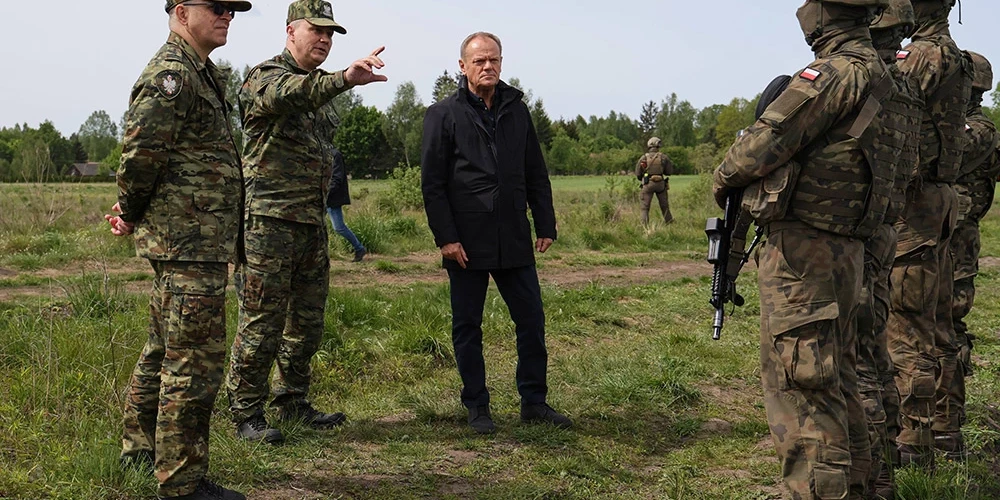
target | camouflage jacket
[
  {"x": 289, "y": 125},
  {"x": 809, "y": 123},
  {"x": 943, "y": 82},
  {"x": 180, "y": 180},
  {"x": 980, "y": 164}
]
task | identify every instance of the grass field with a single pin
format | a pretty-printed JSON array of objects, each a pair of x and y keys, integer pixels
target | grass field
[{"x": 662, "y": 411}]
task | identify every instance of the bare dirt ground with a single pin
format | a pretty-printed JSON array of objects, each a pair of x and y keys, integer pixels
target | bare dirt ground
[{"x": 410, "y": 269}]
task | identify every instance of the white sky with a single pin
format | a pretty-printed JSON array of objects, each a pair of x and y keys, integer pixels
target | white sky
[{"x": 64, "y": 59}]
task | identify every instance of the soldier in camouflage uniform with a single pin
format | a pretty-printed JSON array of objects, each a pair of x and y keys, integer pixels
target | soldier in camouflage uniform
[
  {"x": 181, "y": 191},
  {"x": 823, "y": 129},
  {"x": 654, "y": 169},
  {"x": 289, "y": 125},
  {"x": 898, "y": 145},
  {"x": 975, "y": 187},
  {"x": 920, "y": 330}
]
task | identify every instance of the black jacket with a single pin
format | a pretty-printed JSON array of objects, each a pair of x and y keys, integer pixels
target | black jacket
[
  {"x": 338, "y": 195},
  {"x": 477, "y": 192}
]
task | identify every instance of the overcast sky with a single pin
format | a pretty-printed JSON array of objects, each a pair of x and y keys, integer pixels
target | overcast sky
[{"x": 66, "y": 59}]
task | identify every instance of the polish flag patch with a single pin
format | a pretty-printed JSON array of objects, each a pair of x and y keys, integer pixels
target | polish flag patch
[
  {"x": 810, "y": 74},
  {"x": 902, "y": 54}
]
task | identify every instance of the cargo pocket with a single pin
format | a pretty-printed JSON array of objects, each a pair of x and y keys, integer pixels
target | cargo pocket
[
  {"x": 909, "y": 288},
  {"x": 805, "y": 343},
  {"x": 830, "y": 482},
  {"x": 197, "y": 306}
]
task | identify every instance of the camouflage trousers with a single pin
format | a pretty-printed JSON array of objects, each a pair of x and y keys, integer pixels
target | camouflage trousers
[
  {"x": 659, "y": 191},
  {"x": 965, "y": 247},
  {"x": 169, "y": 399},
  {"x": 810, "y": 285},
  {"x": 920, "y": 331},
  {"x": 876, "y": 374},
  {"x": 282, "y": 291}
]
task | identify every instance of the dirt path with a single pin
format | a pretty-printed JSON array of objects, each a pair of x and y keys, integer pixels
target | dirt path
[{"x": 393, "y": 271}]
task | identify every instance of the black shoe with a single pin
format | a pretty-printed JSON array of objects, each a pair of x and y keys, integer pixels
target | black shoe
[
  {"x": 255, "y": 428},
  {"x": 311, "y": 417},
  {"x": 885, "y": 487},
  {"x": 208, "y": 490},
  {"x": 142, "y": 460},
  {"x": 359, "y": 255},
  {"x": 481, "y": 421},
  {"x": 541, "y": 413},
  {"x": 952, "y": 444}
]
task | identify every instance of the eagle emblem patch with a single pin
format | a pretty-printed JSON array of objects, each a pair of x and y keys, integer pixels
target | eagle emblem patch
[
  {"x": 169, "y": 83},
  {"x": 327, "y": 11}
]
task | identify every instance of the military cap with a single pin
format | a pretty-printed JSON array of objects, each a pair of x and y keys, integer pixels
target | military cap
[
  {"x": 983, "y": 79},
  {"x": 654, "y": 142},
  {"x": 237, "y": 5},
  {"x": 860, "y": 3},
  {"x": 317, "y": 12},
  {"x": 898, "y": 13}
]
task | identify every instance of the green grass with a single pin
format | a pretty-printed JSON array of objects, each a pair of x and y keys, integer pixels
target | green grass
[{"x": 662, "y": 411}]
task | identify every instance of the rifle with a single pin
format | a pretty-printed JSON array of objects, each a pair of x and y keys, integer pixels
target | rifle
[{"x": 726, "y": 242}]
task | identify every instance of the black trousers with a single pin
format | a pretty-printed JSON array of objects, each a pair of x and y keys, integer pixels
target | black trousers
[{"x": 520, "y": 290}]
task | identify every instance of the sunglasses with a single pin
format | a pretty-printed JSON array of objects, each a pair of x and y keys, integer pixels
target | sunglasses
[{"x": 217, "y": 8}]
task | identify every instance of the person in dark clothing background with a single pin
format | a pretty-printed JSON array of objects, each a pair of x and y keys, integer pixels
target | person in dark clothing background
[
  {"x": 336, "y": 198},
  {"x": 482, "y": 168}
]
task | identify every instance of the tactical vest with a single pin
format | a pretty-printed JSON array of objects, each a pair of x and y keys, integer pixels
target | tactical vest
[
  {"x": 899, "y": 141},
  {"x": 654, "y": 164},
  {"x": 979, "y": 165},
  {"x": 943, "y": 129},
  {"x": 842, "y": 187}
]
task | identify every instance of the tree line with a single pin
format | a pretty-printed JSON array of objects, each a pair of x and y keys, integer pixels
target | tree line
[{"x": 376, "y": 142}]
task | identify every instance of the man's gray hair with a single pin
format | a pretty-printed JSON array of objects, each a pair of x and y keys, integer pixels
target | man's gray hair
[{"x": 479, "y": 34}]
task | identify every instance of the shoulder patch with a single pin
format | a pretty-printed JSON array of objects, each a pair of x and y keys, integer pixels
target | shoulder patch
[
  {"x": 810, "y": 74},
  {"x": 169, "y": 83},
  {"x": 902, "y": 54}
]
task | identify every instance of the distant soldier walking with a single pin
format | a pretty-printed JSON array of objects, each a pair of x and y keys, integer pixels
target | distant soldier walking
[
  {"x": 181, "y": 192},
  {"x": 654, "y": 169},
  {"x": 289, "y": 153}
]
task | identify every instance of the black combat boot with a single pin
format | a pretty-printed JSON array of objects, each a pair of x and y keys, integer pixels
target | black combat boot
[
  {"x": 208, "y": 490},
  {"x": 921, "y": 456},
  {"x": 952, "y": 444},
  {"x": 359, "y": 255},
  {"x": 255, "y": 428},
  {"x": 304, "y": 412},
  {"x": 542, "y": 413},
  {"x": 481, "y": 421}
]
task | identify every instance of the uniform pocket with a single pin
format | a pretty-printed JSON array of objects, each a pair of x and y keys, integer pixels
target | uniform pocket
[
  {"x": 909, "y": 288},
  {"x": 830, "y": 482},
  {"x": 805, "y": 343}
]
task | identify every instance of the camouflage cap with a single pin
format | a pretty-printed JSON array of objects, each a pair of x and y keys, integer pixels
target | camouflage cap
[
  {"x": 860, "y": 3},
  {"x": 237, "y": 5},
  {"x": 898, "y": 13},
  {"x": 654, "y": 142},
  {"x": 983, "y": 78},
  {"x": 317, "y": 12}
]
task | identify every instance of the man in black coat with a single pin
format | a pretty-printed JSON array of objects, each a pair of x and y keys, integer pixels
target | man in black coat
[
  {"x": 338, "y": 196},
  {"x": 482, "y": 167}
]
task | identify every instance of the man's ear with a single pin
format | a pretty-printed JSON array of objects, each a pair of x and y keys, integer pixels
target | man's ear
[
  {"x": 290, "y": 30},
  {"x": 182, "y": 13},
  {"x": 461, "y": 66}
]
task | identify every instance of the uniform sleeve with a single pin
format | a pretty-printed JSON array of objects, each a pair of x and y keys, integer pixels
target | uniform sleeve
[
  {"x": 152, "y": 122},
  {"x": 638, "y": 167},
  {"x": 923, "y": 65},
  {"x": 435, "y": 166},
  {"x": 277, "y": 91},
  {"x": 538, "y": 186},
  {"x": 800, "y": 115}
]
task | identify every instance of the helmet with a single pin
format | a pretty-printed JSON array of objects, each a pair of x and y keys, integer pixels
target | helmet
[
  {"x": 983, "y": 79},
  {"x": 814, "y": 15},
  {"x": 654, "y": 142},
  {"x": 897, "y": 13}
]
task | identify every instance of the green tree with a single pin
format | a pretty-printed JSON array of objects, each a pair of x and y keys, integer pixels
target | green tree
[
  {"x": 403, "y": 124},
  {"x": 675, "y": 122},
  {"x": 359, "y": 137},
  {"x": 33, "y": 161},
  {"x": 647, "y": 119},
  {"x": 444, "y": 86},
  {"x": 233, "y": 82},
  {"x": 705, "y": 122},
  {"x": 543, "y": 125},
  {"x": 733, "y": 118},
  {"x": 98, "y": 135}
]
